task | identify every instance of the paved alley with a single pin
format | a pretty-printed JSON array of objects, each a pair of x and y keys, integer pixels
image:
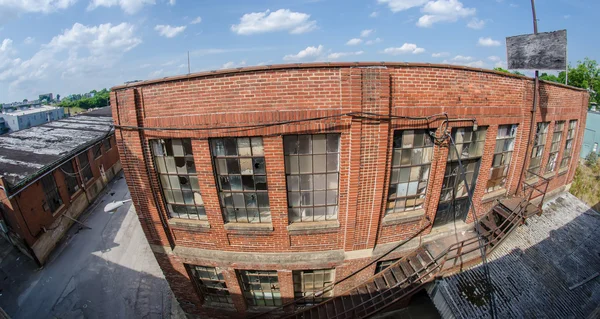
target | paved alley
[{"x": 108, "y": 271}]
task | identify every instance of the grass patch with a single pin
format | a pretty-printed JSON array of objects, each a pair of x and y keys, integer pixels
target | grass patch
[
  {"x": 586, "y": 184},
  {"x": 74, "y": 110}
]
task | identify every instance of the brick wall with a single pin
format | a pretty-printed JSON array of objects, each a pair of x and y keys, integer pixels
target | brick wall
[{"x": 290, "y": 93}]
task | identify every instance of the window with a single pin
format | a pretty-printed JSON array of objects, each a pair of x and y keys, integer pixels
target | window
[
  {"x": 106, "y": 145},
  {"x": 261, "y": 288},
  {"x": 411, "y": 162},
  {"x": 70, "y": 177},
  {"x": 96, "y": 151},
  {"x": 310, "y": 282},
  {"x": 569, "y": 144},
  {"x": 211, "y": 283},
  {"x": 312, "y": 172},
  {"x": 84, "y": 167},
  {"x": 53, "y": 200},
  {"x": 554, "y": 147},
  {"x": 384, "y": 264},
  {"x": 595, "y": 148},
  {"x": 242, "y": 179},
  {"x": 505, "y": 144},
  {"x": 174, "y": 161},
  {"x": 537, "y": 151}
]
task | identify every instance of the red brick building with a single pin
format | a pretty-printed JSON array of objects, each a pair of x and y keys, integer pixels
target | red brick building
[
  {"x": 258, "y": 185},
  {"x": 50, "y": 174}
]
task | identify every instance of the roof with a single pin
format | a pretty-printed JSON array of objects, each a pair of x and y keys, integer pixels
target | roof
[
  {"x": 327, "y": 65},
  {"x": 43, "y": 108},
  {"x": 533, "y": 269},
  {"x": 28, "y": 153}
]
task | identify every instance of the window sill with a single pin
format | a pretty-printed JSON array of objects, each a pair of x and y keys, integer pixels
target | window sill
[
  {"x": 267, "y": 227},
  {"x": 77, "y": 192},
  {"x": 59, "y": 210},
  {"x": 532, "y": 180},
  {"x": 189, "y": 223},
  {"x": 310, "y": 226},
  {"x": 404, "y": 217},
  {"x": 220, "y": 306},
  {"x": 563, "y": 171},
  {"x": 549, "y": 175},
  {"x": 493, "y": 195}
]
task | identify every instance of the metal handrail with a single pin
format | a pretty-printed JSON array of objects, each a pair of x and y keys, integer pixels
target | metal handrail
[{"x": 444, "y": 256}]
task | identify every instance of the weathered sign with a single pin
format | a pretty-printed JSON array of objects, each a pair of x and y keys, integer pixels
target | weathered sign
[{"x": 542, "y": 51}]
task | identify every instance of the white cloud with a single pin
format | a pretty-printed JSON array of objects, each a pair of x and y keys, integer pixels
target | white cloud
[
  {"x": 366, "y": 33},
  {"x": 354, "y": 41},
  {"x": 405, "y": 48},
  {"x": 443, "y": 11},
  {"x": 156, "y": 74},
  {"x": 400, "y": 5},
  {"x": 501, "y": 64},
  {"x": 462, "y": 58},
  {"x": 440, "y": 54},
  {"x": 476, "y": 64},
  {"x": 196, "y": 21},
  {"x": 168, "y": 31},
  {"x": 280, "y": 20},
  {"x": 513, "y": 5},
  {"x": 488, "y": 42},
  {"x": 231, "y": 64},
  {"x": 128, "y": 6},
  {"x": 78, "y": 57},
  {"x": 337, "y": 55},
  {"x": 567, "y": 16},
  {"x": 309, "y": 52},
  {"x": 146, "y": 65},
  {"x": 476, "y": 24},
  {"x": 172, "y": 2},
  {"x": 494, "y": 58},
  {"x": 29, "y": 40},
  {"x": 373, "y": 14},
  {"x": 9, "y": 8},
  {"x": 375, "y": 41}
]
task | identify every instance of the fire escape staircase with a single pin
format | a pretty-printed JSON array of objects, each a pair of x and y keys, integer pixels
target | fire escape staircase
[{"x": 408, "y": 275}]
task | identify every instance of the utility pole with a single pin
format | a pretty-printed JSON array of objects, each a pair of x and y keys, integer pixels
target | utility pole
[{"x": 189, "y": 62}]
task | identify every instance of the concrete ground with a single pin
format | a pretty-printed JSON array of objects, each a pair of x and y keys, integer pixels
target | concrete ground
[{"x": 108, "y": 271}]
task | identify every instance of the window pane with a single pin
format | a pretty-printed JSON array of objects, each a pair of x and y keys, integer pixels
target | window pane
[{"x": 242, "y": 180}]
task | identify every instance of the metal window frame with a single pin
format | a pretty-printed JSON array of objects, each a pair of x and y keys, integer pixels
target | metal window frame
[
  {"x": 535, "y": 148},
  {"x": 205, "y": 290},
  {"x": 317, "y": 286},
  {"x": 217, "y": 174},
  {"x": 85, "y": 166},
  {"x": 556, "y": 139},
  {"x": 51, "y": 193},
  {"x": 312, "y": 190},
  {"x": 250, "y": 294},
  {"x": 200, "y": 209},
  {"x": 381, "y": 265},
  {"x": 571, "y": 131},
  {"x": 71, "y": 181},
  {"x": 506, "y": 167},
  {"x": 407, "y": 197}
]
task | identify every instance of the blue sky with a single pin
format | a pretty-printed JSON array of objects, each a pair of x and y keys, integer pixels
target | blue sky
[{"x": 73, "y": 46}]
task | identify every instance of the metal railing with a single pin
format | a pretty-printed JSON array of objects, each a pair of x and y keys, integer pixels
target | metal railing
[
  {"x": 534, "y": 187},
  {"x": 452, "y": 253}
]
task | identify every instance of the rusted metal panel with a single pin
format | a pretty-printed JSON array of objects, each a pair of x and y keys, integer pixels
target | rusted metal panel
[{"x": 542, "y": 51}]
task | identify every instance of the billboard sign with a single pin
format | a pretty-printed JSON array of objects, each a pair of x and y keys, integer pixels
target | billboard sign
[{"x": 542, "y": 51}]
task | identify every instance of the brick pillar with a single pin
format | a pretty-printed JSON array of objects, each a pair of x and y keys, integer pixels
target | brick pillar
[
  {"x": 373, "y": 152},
  {"x": 274, "y": 161}
]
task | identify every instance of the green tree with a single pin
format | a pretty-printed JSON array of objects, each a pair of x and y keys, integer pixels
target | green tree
[{"x": 499, "y": 69}]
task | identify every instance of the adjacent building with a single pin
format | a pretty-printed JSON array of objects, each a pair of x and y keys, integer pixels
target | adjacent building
[
  {"x": 24, "y": 117},
  {"x": 591, "y": 137},
  {"x": 260, "y": 185},
  {"x": 49, "y": 174}
]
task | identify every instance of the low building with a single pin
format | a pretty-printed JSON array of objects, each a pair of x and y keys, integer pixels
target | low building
[
  {"x": 29, "y": 116},
  {"x": 49, "y": 174},
  {"x": 591, "y": 137},
  {"x": 258, "y": 186}
]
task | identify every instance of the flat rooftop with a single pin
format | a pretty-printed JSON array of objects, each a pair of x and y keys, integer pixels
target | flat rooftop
[
  {"x": 539, "y": 271},
  {"x": 43, "y": 108},
  {"x": 27, "y": 153}
]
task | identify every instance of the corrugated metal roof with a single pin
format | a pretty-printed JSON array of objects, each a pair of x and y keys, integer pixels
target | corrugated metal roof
[{"x": 533, "y": 269}]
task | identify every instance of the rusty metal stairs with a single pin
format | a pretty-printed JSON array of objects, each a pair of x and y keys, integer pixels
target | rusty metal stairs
[{"x": 406, "y": 276}]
